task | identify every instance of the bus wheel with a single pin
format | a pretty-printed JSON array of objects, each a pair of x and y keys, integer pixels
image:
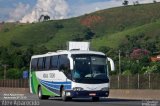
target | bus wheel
[
  {"x": 95, "y": 99},
  {"x": 40, "y": 95},
  {"x": 64, "y": 97}
]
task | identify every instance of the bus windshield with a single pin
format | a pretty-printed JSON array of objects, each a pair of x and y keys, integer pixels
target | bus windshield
[{"x": 89, "y": 67}]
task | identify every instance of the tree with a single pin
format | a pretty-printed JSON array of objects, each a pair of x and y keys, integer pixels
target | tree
[
  {"x": 18, "y": 61},
  {"x": 14, "y": 43},
  {"x": 77, "y": 37},
  {"x": 58, "y": 25},
  {"x": 125, "y": 2},
  {"x": 88, "y": 34},
  {"x": 40, "y": 18},
  {"x": 4, "y": 56},
  {"x": 104, "y": 49},
  {"x": 139, "y": 54},
  {"x": 151, "y": 46},
  {"x": 46, "y": 17},
  {"x": 27, "y": 56},
  {"x": 154, "y": 1},
  {"x": 40, "y": 49},
  {"x": 136, "y": 3},
  {"x": 14, "y": 73}
]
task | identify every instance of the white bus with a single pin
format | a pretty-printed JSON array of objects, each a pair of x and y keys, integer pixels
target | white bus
[{"x": 70, "y": 74}]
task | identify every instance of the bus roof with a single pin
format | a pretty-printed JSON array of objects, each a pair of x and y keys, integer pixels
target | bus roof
[{"x": 69, "y": 52}]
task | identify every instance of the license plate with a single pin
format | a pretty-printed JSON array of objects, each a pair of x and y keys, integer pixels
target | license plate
[{"x": 92, "y": 94}]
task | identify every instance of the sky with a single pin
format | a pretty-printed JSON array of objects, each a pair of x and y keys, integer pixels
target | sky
[{"x": 30, "y": 10}]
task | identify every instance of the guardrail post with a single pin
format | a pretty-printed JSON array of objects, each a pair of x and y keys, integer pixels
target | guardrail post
[
  {"x": 118, "y": 81},
  {"x": 149, "y": 81},
  {"x": 128, "y": 81},
  {"x": 4, "y": 83},
  {"x": 138, "y": 80},
  {"x": 12, "y": 83},
  {"x": 20, "y": 83}
]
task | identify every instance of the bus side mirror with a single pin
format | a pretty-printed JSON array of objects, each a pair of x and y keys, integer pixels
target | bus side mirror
[{"x": 111, "y": 64}]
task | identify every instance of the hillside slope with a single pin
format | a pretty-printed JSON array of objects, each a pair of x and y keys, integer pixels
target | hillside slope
[
  {"x": 150, "y": 32},
  {"x": 106, "y": 28}
]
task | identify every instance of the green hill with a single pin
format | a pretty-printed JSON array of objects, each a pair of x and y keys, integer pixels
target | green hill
[
  {"x": 104, "y": 24},
  {"x": 124, "y": 28},
  {"x": 150, "y": 31}
]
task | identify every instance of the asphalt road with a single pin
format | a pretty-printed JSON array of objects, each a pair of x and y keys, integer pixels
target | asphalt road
[
  {"x": 30, "y": 98},
  {"x": 88, "y": 102}
]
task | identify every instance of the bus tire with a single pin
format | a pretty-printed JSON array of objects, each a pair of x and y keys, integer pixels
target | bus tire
[
  {"x": 95, "y": 99},
  {"x": 64, "y": 97},
  {"x": 40, "y": 95}
]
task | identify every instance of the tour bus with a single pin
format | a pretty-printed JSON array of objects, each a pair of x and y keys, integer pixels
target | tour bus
[{"x": 74, "y": 73}]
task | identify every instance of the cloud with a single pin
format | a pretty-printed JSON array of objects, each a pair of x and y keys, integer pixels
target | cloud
[
  {"x": 17, "y": 13},
  {"x": 97, "y": 8},
  {"x": 147, "y": 1},
  {"x": 56, "y": 9}
]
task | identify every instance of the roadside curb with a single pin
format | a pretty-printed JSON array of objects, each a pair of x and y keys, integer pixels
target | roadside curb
[
  {"x": 132, "y": 94},
  {"x": 135, "y": 94},
  {"x": 14, "y": 90}
]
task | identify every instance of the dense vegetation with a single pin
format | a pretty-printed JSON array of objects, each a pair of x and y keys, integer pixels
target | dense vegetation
[{"x": 134, "y": 30}]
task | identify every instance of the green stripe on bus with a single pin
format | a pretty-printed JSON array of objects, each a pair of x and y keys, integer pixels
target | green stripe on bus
[
  {"x": 46, "y": 91},
  {"x": 35, "y": 82}
]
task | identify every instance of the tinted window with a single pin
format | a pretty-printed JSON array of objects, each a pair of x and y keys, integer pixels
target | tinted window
[
  {"x": 34, "y": 64},
  {"x": 90, "y": 69},
  {"x": 64, "y": 61},
  {"x": 54, "y": 62},
  {"x": 40, "y": 64},
  {"x": 47, "y": 63},
  {"x": 64, "y": 65}
]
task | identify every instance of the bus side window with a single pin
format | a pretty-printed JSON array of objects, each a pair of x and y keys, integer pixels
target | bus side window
[
  {"x": 64, "y": 66},
  {"x": 40, "y": 64},
  {"x": 54, "y": 62},
  {"x": 63, "y": 62},
  {"x": 47, "y": 63},
  {"x": 43, "y": 64},
  {"x": 34, "y": 64}
]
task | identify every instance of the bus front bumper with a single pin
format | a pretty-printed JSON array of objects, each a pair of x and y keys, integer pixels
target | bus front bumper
[{"x": 86, "y": 94}]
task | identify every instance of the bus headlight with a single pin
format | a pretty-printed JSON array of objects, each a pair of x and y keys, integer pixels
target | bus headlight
[
  {"x": 105, "y": 89},
  {"x": 68, "y": 94},
  {"x": 77, "y": 89}
]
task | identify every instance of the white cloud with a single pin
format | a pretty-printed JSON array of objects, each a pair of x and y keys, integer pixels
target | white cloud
[
  {"x": 17, "y": 13},
  {"x": 97, "y": 8},
  {"x": 147, "y": 1},
  {"x": 59, "y": 9},
  {"x": 56, "y": 9}
]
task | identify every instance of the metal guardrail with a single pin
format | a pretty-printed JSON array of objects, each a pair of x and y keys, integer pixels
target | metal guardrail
[
  {"x": 138, "y": 81},
  {"x": 14, "y": 83}
]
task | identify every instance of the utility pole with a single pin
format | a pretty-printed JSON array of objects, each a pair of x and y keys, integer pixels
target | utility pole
[
  {"x": 5, "y": 69},
  {"x": 119, "y": 54}
]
